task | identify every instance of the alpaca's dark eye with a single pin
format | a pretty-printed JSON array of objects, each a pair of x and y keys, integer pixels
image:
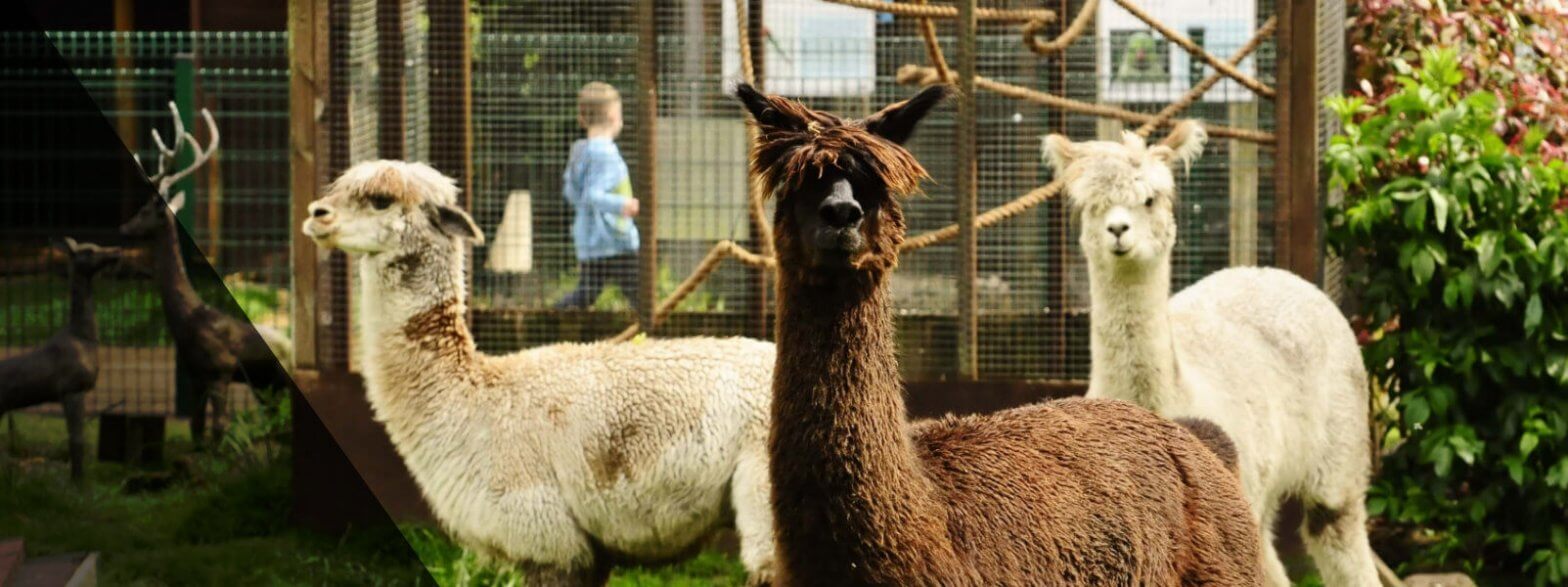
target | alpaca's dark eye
[
  {"x": 380, "y": 201},
  {"x": 1148, "y": 203}
]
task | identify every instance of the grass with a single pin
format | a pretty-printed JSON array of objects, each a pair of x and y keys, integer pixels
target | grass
[
  {"x": 34, "y": 307},
  {"x": 129, "y": 310},
  {"x": 452, "y": 566},
  {"x": 218, "y": 524},
  {"x": 224, "y": 521}
]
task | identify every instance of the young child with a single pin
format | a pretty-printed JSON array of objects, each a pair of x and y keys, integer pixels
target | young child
[{"x": 599, "y": 188}]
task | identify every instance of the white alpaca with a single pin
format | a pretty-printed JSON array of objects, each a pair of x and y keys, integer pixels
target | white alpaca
[
  {"x": 558, "y": 459},
  {"x": 1260, "y": 352}
]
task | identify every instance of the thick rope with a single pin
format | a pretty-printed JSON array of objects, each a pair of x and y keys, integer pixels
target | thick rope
[
  {"x": 720, "y": 251},
  {"x": 1197, "y": 91},
  {"x": 1196, "y": 51},
  {"x": 941, "y": 11},
  {"x": 940, "y": 73},
  {"x": 934, "y": 51},
  {"x": 1074, "y": 30},
  {"x": 995, "y": 215},
  {"x": 915, "y": 74},
  {"x": 743, "y": 34},
  {"x": 748, "y": 72}
]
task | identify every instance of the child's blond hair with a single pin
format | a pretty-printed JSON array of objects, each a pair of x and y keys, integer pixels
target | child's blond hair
[{"x": 594, "y": 101}]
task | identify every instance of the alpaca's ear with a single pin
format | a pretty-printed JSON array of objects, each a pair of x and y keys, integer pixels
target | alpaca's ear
[
  {"x": 1058, "y": 152},
  {"x": 897, "y": 121},
  {"x": 762, "y": 110},
  {"x": 1183, "y": 145},
  {"x": 1133, "y": 141},
  {"x": 177, "y": 202},
  {"x": 454, "y": 222}
]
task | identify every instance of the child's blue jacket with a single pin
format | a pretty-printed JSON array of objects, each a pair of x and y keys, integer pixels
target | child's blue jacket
[{"x": 598, "y": 184}]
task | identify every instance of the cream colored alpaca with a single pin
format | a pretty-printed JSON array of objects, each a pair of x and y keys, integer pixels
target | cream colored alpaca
[
  {"x": 1258, "y": 351},
  {"x": 558, "y": 459}
]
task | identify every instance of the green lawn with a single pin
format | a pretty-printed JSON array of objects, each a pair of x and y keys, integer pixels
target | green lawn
[
  {"x": 129, "y": 309},
  {"x": 223, "y": 521}
]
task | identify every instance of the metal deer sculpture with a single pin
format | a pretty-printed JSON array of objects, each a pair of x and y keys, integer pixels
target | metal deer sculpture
[
  {"x": 214, "y": 347},
  {"x": 65, "y": 367}
]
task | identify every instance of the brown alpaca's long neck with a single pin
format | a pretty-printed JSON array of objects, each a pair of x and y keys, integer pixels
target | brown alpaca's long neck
[{"x": 851, "y": 497}]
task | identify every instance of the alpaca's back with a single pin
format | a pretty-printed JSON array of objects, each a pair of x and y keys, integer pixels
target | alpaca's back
[
  {"x": 1089, "y": 492},
  {"x": 1268, "y": 357},
  {"x": 638, "y": 445}
]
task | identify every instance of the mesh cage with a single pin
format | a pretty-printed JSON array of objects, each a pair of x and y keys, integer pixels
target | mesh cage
[
  {"x": 1332, "y": 70},
  {"x": 405, "y": 75},
  {"x": 530, "y": 58},
  {"x": 239, "y": 204}
]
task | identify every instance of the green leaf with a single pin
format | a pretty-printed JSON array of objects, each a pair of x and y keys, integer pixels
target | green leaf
[
  {"x": 1527, "y": 443},
  {"x": 1416, "y": 411},
  {"x": 1557, "y": 476},
  {"x": 1422, "y": 265},
  {"x": 1486, "y": 248},
  {"x": 1439, "y": 208},
  {"x": 1515, "y": 466},
  {"x": 1532, "y": 313},
  {"x": 1442, "y": 461}
]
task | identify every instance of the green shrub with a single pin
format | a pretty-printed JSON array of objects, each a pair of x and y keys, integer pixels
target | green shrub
[{"x": 1459, "y": 260}]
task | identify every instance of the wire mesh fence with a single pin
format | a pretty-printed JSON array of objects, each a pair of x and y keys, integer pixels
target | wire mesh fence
[
  {"x": 406, "y": 74},
  {"x": 530, "y": 59},
  {"x": 237, "y": 209}
]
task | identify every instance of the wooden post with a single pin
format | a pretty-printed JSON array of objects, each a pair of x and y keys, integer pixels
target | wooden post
[
  {"x": 389, "y": 58},
  {"x": 124, "y": 88},
  {"x": 308, "y": 49},
  {"x": 451, "y": 97},
  {"x": 646, "y": 169},
  {"x": 1298, "y": 213},
  {"x": 967, "y": 194},
  {"x": 1243, "y": 187},
  {"x": 758, "y": 279}
]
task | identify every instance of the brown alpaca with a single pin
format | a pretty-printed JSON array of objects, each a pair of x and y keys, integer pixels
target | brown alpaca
[{"x": 1073, "y": 492}]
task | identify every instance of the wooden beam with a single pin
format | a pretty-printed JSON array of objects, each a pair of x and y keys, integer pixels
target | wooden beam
[
  {"x": 644, "y": 181},
  {"x": 389, "y": 57},
  {"x": 451, "y": 95},
  {"x": 758, "y": 280},
  {"x": 968, "y": 194},
  {"x": 1243, "y": 187},
  {"x": 1298, "y": 213},
  {"x": 308, "y": 49}
]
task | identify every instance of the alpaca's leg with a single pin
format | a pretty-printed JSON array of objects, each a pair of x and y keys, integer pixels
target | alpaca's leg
[
  {"x": 1336, "y": 537},
  {"x": 554, "y": 576},
  {"x": 1274, "y": 574},
  {"x": 75, "y": 409},
  {"x": 749, "y": 494}
]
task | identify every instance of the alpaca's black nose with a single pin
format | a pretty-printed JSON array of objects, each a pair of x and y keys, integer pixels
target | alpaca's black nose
[
  {"x": 1116, "y": 228},
  {"x": 319, "y": 211},
  {"x": 840, "y": 213}
]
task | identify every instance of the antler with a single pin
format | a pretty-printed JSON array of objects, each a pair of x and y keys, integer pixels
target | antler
[{"x": 163, "y": 179}]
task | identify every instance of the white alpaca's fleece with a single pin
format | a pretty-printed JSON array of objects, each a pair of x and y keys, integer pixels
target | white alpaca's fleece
[
  {"x": 639, "y": 448},
  {"x": 1260, "y": 352},
  {"x": 559, "y": 459}
]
